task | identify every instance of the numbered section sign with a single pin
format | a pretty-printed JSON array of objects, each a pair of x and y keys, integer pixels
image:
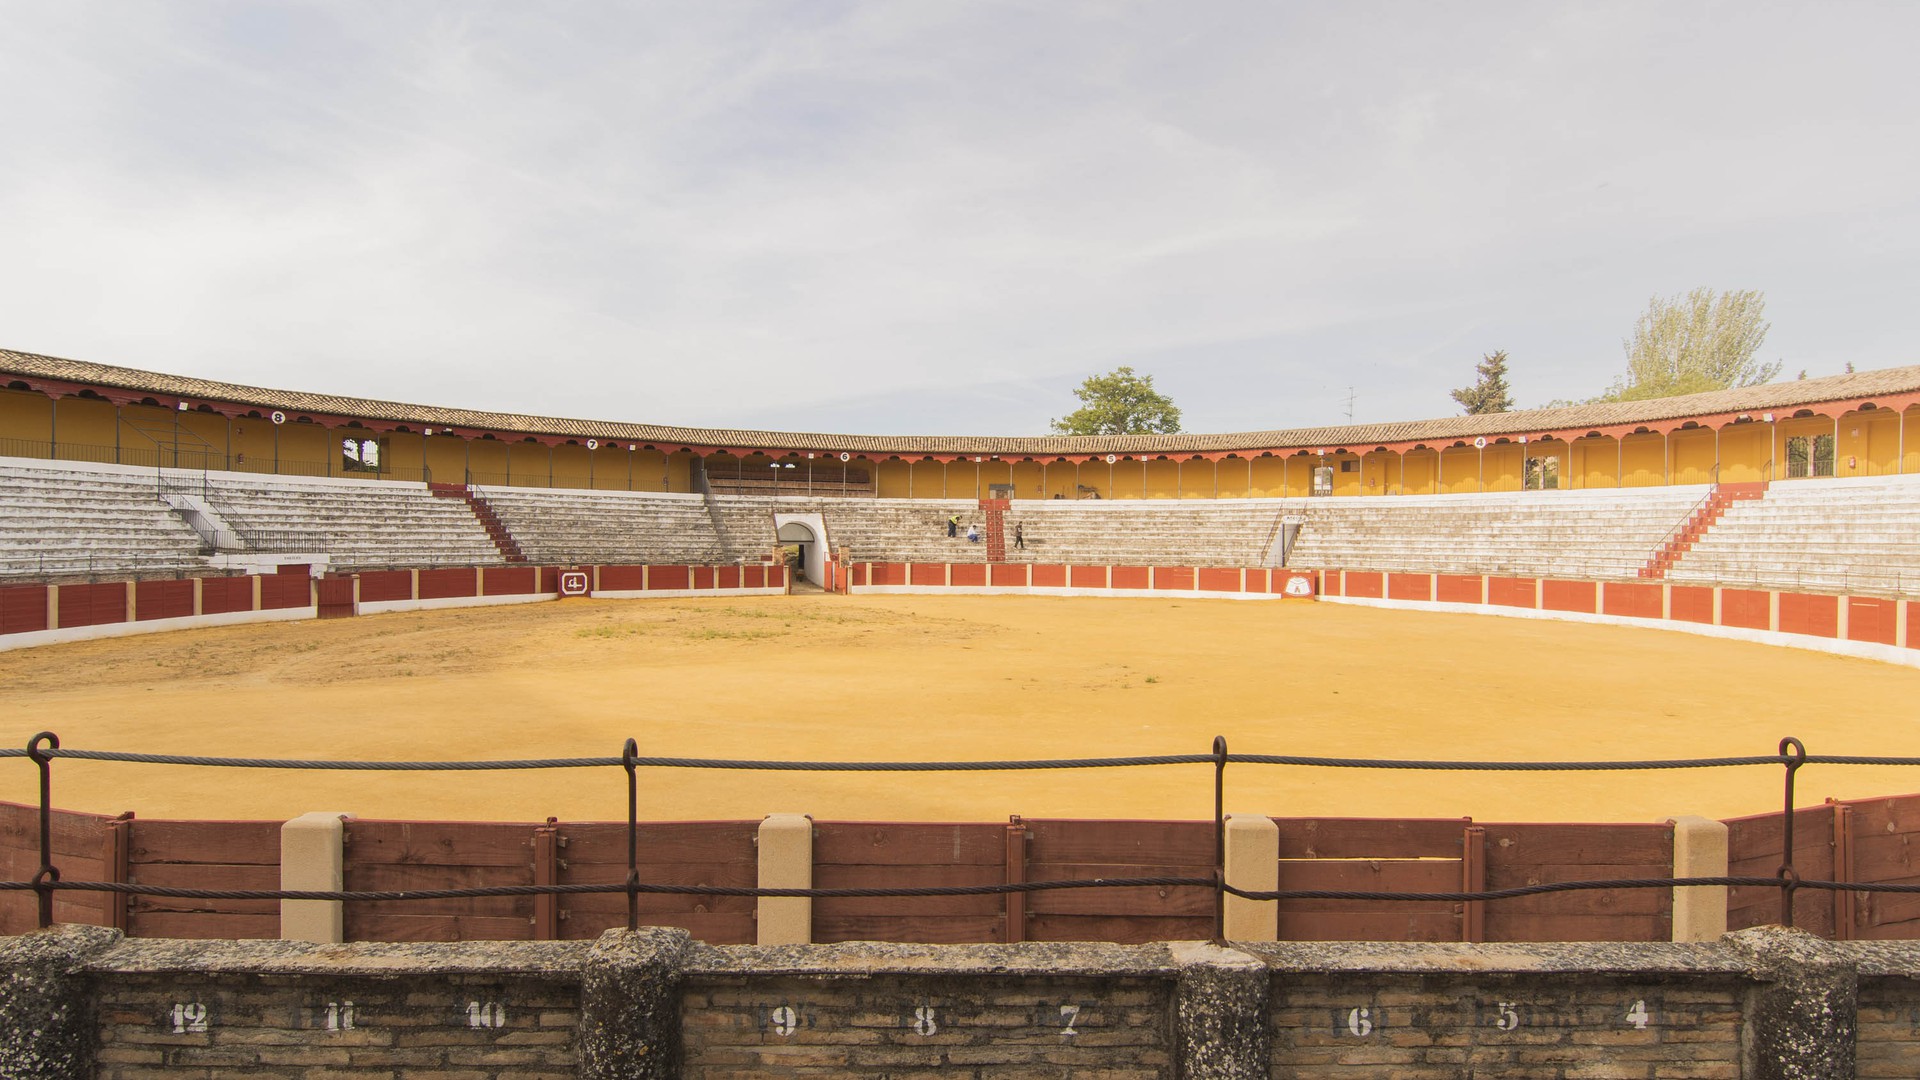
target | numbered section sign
[{"x": 574, "y": 583}]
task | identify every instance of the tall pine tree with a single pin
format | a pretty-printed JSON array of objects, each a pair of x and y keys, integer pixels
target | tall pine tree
[{"x": 1490, "y": 394}]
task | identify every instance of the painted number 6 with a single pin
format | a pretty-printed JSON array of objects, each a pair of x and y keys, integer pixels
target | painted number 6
[{"x": 1360, "y": 1022}]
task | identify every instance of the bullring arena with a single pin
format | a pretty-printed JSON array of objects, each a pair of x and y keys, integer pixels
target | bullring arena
[{"x": 216, "y": 571}]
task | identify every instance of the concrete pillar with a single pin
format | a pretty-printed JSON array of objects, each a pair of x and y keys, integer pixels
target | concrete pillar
[
  {"x": 630, "y": 1005},
  {"x": 1253, "y": 863},
  {"x": 786, "y": 862},
  {"x": 47, "y": 1024},
  {"x": 1699, "y": 850},
  {"x": 311, "y": 857},
  {"x": 1220, "y": 1014}
]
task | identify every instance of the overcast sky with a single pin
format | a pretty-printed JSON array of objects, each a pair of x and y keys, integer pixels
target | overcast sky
[{"x": 915, "y": 217}]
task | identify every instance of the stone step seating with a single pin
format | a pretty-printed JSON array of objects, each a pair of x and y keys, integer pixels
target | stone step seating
[
  {"x": 1224, "y": 532},
  {"x": 869, "y": 529},
  {"x": 358, "y": 524},
  {"x": 60, "y": 522},
  {"x": 1605, "y": 534},
  {"x": 608, "y": 527},
  {"x": 1851, "y": 535}
]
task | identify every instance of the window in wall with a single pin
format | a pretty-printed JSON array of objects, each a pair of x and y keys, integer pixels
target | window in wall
[
  {"x": 1349, "y": 464},
  {"x": 1543, "y": 473},
  {"x": 1809, "y": 455},
  {"x": 360, "y": 455},
  {"x": 1323, "y": 480}
]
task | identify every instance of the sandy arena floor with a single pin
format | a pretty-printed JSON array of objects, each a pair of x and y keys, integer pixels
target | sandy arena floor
[{"x": 947, "y": 678}]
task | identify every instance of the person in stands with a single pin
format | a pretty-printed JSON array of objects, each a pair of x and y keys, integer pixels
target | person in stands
[
  {"x": 953, "y": 526},
  {"x": 973, "y": 534},
  {"x": 1019, "y": 536}
]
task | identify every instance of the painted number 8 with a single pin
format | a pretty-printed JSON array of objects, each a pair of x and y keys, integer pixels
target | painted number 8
[{"x": 923, "y": 1021}]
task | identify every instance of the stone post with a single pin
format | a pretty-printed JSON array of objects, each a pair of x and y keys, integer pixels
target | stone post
[
  {"x": 312, "y": 858},
  {"x": 46, "y": 1003},
  {"x": 630, "y": 1005},
  {"x": 786, "y": 862},
  {"x": 1253, "y": 864},
  {"x": 1699, "y": 850},
  {"x": 1802, "y": 1015},
  {"x": 1220, "y": 1014}
]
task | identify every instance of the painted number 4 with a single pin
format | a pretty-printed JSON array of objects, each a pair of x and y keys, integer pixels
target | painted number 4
[{"x": 1637, "y": 1016}]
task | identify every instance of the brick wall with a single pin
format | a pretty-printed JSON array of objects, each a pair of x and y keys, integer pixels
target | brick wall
[
  {"x": 456, "y": 1027},
  {"x": 1042, "y": 1028}
]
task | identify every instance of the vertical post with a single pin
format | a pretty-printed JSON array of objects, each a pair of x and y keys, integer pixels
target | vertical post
[
  {"x": 627, "y": 755},
  {"x": 546, "y": 871},
  {"x": 1699, "y": 850},
  {"x": 1845, "y": 908},
  {"x": 1219, "y": 838},
  {"x": 312, "y": 857},
  {"x": 786, "y": 862},
  {"x": 1473, "y": 878},
  {"x": 1016, "y": 903},
  {"x": 1789, "y": 878},
  {"x": 118, "y": 858},
  {"x": 48, "y": 874}
]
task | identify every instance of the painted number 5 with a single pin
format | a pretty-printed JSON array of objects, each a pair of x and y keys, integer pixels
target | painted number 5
[{"x": 1505, "y": 1018}]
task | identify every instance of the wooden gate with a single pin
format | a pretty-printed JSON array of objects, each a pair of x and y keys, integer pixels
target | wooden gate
[{"x": 336, "y": 597}]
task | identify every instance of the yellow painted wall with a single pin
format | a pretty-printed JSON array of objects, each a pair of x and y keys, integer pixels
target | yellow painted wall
[
  {"x": 446, "y": 457},
  {"x": 1126, "y": 480},
  {"x": 1269, "y": 477},
  {"x": 1868, "y": 444},
  {"x": 570, "y": 465},
  {"x": 1643, "y": 461},
  {"x": 1809, "y": 426},
  {"x": 1910, "y": 420},
  {"x": 1691, "y": 456},
  {"x": 1422, "y": 473},
  {"x": 994, "y": 472},
  {"x": 1505, "y": 465},
  {"x": 1590, "y": 463},
  {"x": 1459, "y": 470},
  {"x": 1027, "y": 480},
  {"x": 527, "y": 464},
  {"x": 487, "y": 461},
  {"x": 1061, "y": 477},
  {"x": 893, "y": 478},
  {"x": 84, "y": 429},
  {"x": 1163, "y": 478},
  {"x": 1744, "y": 453},
  {"x": 927, "y": 479},
  {"x": 306, "y": 450},
  {"x": 1232, "y": 476},
  {"x": 28, "y": 418}
]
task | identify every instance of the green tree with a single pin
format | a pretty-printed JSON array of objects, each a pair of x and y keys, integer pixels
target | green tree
[
  {"x": 1491, "y": 393},
  {"x": 1120, "y": 403},
  {"x": 1701, "y": 341}
]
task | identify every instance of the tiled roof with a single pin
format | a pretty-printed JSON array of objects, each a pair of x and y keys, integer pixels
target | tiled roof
[{"x": 1852, "y": 387}]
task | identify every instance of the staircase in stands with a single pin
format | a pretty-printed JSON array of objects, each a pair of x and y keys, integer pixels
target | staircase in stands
[
  {"x": 1682, "y": 539},
  {"x": 996, "y": 512},
  {"x": 484, "y": 513}
]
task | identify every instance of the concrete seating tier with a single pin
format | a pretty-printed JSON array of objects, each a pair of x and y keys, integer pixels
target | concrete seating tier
[
  {"x": 615, "y": 527},
  {"x": 60, "y": 521},
  {"x": 1836, "y": 535},
  {"x": 358, "y": 524}
]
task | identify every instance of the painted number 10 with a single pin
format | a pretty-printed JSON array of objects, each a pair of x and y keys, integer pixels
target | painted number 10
[{"x": 486, "y": 1014}]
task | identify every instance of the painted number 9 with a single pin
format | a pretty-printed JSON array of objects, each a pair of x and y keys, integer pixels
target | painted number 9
[{"x": 784, "y": 1020}]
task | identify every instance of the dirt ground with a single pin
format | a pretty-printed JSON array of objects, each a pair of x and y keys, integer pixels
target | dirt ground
[{"x": 899, "y": 677}]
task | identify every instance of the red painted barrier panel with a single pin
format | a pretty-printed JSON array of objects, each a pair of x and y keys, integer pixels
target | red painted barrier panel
[
  {"x": 1050, "y": 577},
  {"x": 1511, "y": 592},
  {"x": 729, "y": 577},
  {"x": 379, "y": 586},
  {"x": 162, "y": 600},
  {"x": 704, "y": 577},
  {"x": 1011, "y": 575},
  {"x": 23, "y": 609},
  {"x": 1258, "y": 580},
  {"x": 221, "y": 595},
  {"x": 669, "y": 577},
  {"x": 447, "y": 583},
  {"x": 1367, "y": 583},
  {"x": 968, "y": 574},
  {"x": 1410, "y": 586},
  {"x": 1632, "y": 599},
  {"x": 1173, "y": 577},
  {"x": 928, "y": 574},
  {"x": 1128, "y": 577},
  {"x": 281, "y": 591},
  {"x": 93, "y": 605},
  {"x": 887, "y": 574},
  {"x": 1815, "y": 616},
  {"x": 776, "y": 577},
  {"x": 1090, "y": 577},
  {"x": 1870, "y": 618},
  {"x": 1329, "y": 583},
  {"x": 1569, "y": 596},
  {"x": 511, "y": 580},
  {"x": 622, "y": 578},
  {"x": 1219, "y": 579},
  {"x": 1457, "y": 588},
  {"x": 1747, "y": 608},
  {"x": 1690, "y": 603}
]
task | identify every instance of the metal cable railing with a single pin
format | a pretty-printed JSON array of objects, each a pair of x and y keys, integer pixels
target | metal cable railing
[{"x": 44, "y": 749}]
